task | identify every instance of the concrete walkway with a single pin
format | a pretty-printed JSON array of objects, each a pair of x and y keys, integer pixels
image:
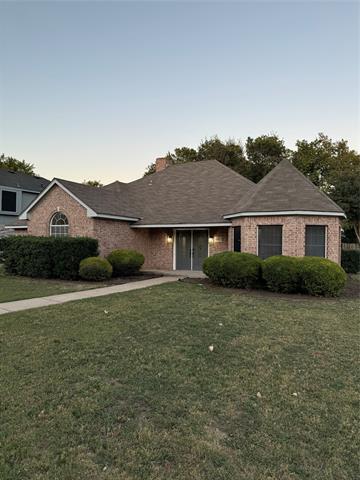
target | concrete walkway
[
  {"x": 19, "y": 305},
  {"x": 179, "y": 273}
]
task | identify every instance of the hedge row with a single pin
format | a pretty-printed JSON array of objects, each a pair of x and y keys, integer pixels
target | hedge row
[
  {"x": 350, "y": 261},
  {"x": 311, "y": 275},
  {"x": 47, "y": 257}
]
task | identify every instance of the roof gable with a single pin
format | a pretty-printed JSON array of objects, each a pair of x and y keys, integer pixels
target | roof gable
[{"x": 285, "y": 189}]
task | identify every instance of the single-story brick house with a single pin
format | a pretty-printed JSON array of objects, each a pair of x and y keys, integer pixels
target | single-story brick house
[{"x": 183, "y": 213}]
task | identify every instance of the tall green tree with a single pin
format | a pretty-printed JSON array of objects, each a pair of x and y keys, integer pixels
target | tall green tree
[
  {"x": 263, "y": 154},
  {"x": 322, "y": 159},
  {"x": 229, "y": 152},
  {"x": 346, "y": 193},
  {"x": 11, "y": 163}
]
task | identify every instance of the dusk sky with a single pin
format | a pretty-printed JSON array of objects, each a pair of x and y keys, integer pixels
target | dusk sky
[{"x": 98, "y": 90}]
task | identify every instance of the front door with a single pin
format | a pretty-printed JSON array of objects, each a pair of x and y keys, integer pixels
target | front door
[
  {"x": 191, "y": 249},
  {"x": 183, "y": 250},
  {"x": 200, "y": 248}
]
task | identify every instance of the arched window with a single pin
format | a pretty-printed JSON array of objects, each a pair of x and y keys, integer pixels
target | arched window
[{"x": 59, "y": 225}]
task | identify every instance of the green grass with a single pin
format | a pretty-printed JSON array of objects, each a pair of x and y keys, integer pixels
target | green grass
[
  {"x": 136, "y": 393},
  {"x": 19, "y": 288}
]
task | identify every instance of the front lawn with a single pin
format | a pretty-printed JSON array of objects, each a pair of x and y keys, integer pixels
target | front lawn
[
  {"x": 19, "y": 288},
  {"x": 135, "y": 393}
]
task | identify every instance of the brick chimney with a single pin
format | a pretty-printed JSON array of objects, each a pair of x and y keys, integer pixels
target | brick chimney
[{"x": 161, "y": 164}]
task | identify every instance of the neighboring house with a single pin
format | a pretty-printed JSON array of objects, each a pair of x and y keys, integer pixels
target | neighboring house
[
  {"x": 182, "y": 213},
  {"x": 17, "y": 191}
]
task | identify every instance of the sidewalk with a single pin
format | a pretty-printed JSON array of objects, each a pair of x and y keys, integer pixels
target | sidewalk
[{"x": 19, "y": 305}]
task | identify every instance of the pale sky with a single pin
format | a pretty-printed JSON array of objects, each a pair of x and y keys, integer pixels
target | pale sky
[{"x": 98, "y": 90}]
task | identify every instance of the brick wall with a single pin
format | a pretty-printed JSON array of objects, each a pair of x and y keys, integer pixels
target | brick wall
[
  {"x": 220, "y": 240},
  {"x": 111, "y": 234},
  {"x": 152, "y": 243},
  {"x": 58, "y": 200},
  {"x": 293, "y": 233}
]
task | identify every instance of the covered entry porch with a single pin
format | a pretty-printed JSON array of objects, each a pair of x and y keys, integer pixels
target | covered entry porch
[{"x": 179, "y": 248}]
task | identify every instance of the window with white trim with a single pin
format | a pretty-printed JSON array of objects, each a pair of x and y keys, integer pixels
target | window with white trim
[
  {"x": 269, "y": 240},
  {"x": 315, "y": 239},
  {"x": 59, "y": 225}
]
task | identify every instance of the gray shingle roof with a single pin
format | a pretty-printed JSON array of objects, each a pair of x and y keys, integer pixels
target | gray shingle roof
[
  {"x": 20, "y": 180},
  {"x": 198, "y": 192},
  {"x": 103, "y": 200},
  {"x": 285, "y": 188},
  {"x": 202, "y": 193}
]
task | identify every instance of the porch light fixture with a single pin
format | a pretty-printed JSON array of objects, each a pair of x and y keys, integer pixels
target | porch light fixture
[
  {"x": 211, "y": 240},
  {"x": 169, "y": 238}
]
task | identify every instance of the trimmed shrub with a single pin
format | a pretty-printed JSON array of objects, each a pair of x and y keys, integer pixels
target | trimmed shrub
[
  {"x": 95, "y": 269},
  {"x": 320, "y": 276},
  {"x": 350, "y": 260},
  {"x": 47, "y": 257},
  {"x": 233, "y": 269},
  {"x": 281, "y": 274},
  {"x": 125, "y": 262}
]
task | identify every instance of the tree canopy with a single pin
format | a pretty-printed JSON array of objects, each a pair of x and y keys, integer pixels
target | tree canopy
[
  {"x": 263, "y": 154},
  {"x": 11, "y": 163}
]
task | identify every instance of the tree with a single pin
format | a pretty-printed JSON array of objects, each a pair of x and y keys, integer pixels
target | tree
[
  {"x": 151, "y": 168},
  {"x": 229, "y": 152},
  {"x": 263, "y": 154},
  {"x": 183, "y": 155},
  {"x": 346, "y": 193},
  {"x": 93, "y": 183},
  {"x": 322, "y": 159},
  {"x": 11, "y": 163}
]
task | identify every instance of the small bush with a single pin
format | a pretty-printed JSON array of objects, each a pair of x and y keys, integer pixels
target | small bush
[
  {"x": 281, "y": 274},
  {"x": 125, "y": 262},
  {"x": 95, "y": 269},
  {"x": 320, "y": 276},
  {"x": 47, "y": 257},
  {"x": 350, "y": 261},
  {"x": 233, "y": 269}
]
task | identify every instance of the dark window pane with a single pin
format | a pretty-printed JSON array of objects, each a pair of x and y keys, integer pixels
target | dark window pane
[
  {"x": 8, "y": 201},
  {"x": 237, "y": 239},
  {"x": 269, "y": 241},
  {"x": 315, "y": 240}
]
